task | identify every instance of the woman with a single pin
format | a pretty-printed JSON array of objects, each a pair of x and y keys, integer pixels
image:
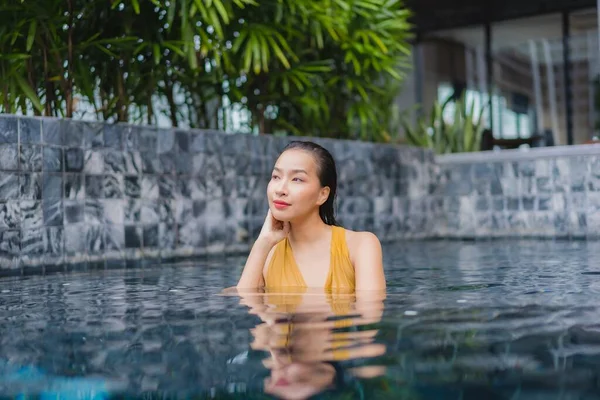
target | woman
[{"x": 300, "y": 244}]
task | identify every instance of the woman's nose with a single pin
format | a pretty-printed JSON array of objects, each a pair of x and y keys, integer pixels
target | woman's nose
[{"x": 281, "y": 187}]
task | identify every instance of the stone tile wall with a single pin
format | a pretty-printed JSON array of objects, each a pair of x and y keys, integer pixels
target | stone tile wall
[
  {"x": 85, "y": 193},
  {"x": 549, "y": 193}
]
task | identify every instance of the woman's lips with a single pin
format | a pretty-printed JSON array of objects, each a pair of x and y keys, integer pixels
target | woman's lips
[{"x": 280, "y": 205}]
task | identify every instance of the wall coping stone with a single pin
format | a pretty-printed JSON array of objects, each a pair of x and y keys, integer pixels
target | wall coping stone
[{"x": 519, "y": 154}]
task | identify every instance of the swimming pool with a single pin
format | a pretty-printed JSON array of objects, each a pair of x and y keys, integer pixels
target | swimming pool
[{"x": 462, "y": 320}]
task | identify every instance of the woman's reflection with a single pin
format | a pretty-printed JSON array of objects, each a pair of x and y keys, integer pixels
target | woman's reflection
[{"x": 307, "y": 336}]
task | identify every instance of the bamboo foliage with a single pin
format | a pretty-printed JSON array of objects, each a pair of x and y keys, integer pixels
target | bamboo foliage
[{"x": 327, "y": 68}]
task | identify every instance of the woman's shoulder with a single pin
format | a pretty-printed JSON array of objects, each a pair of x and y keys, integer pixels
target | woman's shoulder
[{"x": 357, "y": 239}]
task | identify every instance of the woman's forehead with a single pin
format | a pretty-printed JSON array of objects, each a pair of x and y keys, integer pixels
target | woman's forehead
[{"x": 296, "y": 159}]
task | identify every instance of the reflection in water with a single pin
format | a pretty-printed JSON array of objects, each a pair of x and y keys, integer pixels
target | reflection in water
[{"x": 310, "y": 336}]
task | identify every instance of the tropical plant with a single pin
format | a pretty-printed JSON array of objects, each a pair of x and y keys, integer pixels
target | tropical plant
[
  {"x": 327, "y": 68},
  {"x": 461, "y": 133}
]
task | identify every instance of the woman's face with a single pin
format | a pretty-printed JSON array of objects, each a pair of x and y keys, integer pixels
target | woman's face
[{"x": 294, "y": 189}]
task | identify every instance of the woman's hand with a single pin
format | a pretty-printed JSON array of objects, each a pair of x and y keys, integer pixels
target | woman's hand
[{"x": 273, "y": 230}]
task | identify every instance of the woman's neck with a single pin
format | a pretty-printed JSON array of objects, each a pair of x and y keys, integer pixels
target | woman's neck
[{"x": 308, "y": 230}]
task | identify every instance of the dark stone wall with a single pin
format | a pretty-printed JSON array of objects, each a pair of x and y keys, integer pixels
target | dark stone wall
[{"x": 75, "y": 192}]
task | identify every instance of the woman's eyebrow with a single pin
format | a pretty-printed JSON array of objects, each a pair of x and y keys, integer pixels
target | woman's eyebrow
[{"x": 293, "y": 170}]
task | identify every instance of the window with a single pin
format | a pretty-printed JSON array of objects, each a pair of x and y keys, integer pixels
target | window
[{"x": 508, "y": 124}]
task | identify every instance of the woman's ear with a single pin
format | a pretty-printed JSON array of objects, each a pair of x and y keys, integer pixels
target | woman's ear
[{"x": 323, "y": 195}]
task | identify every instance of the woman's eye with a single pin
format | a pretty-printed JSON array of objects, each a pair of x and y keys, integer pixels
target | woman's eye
[
  {"x": 274, "y": 177},
  {"x": 297, "y": 180}
]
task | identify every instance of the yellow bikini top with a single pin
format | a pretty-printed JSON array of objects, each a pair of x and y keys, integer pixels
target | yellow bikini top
[{"x": 283, "y": 270}]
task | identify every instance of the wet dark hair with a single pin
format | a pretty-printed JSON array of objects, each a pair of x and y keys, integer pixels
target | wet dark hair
[{"x": 327, "y": 175}]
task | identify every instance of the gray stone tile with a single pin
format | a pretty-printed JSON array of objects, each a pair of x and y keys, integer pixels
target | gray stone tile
[
  {"x": 27, "y": 187},
  {"x": 95, "y": 239},
  {"x": 9, "y": 186},
  {"x": 559, "y": 202},
  {"x": 131, "y": 139},
  {"x": 75, "y": 237},
  {"x": 30, "y": 131},
  {"x": 52, "y": 131},
  {"x": 53, "y": 212},
  {"x": 512, "y": 203},
  {"x": 73, "y": 133},
  {"x": 9, "y": 157},
  {"x": 113, "y": 136},
  {"x": 544, "y": 185},
  {"x": 544, "y": 203},
  {"x": 30, "y": 158},
  {"x": 32, "y": 216},
  {"x": 52, "y": 186},
  {"x": 167, "y": 186},
  {"x": 528, "y": 203},
  {"x": 167, "y": 235},
  {"x": 149, "y": 188},
  {"x": 10, "y": 242},
  {"x": 73, "y": 212},
  {"x": 184, "y": 210},
  {"x": 482, "y": 204},
  {"x": 166, "y": 211},
  {"x": 94, "y": 186},
  {"x": 148, "y": 139},
  {"x": 73, "y": 160},
  {"x": 94, "y": 212},
  {"x": 10, "y": 215},
  {"x": 133, "y": 237},
  {"x": 165, "y": 141},
  {"x": 197, "y": 141},
  {"x": 9, "y": 129},
  {"x": 114, "y": 211},
  {"x": 93, "y": 135},
  {"x": 578, "y": 201},
  {"x": 32, "y": 241},
  {"x": 74, "y": 187},
  {"x": 114, "y": 162},
  {"x": 528, "y": 186},
  {"x": 561, "y": 223},
  {"x": 150, "y": 236},
  {"x": 182, "y": 141},
  {"x": 483, "y": 171},
  {"x": 150, "y": 163},
  {"x": 543, "y": 168},
  {"x": 593, "y": 182},
  {"x": 578, "y": 223},
  {"x": 482, "y": 187},
  {"x": 132, "y": 211},
  {"x": 133, "y": 162},
  {"x": 183, "y": 164},
  {"x": 132, "y": 187},
  {"x": 113, "y": 186},
  {"x": 496, "y": 187},
  {"x": 52, "y": 159},
  {"x": 115, "y": 237},
  {"x": 527, "y": 168},
  {"x": 54, "y": 241},
  {"x": 149, "y": 212},
  {"x": 197, "y": 188},
  {"x": 215, "y": 143},
  {"x": 168, "y": 163},
  {"x": 190, "y": 234},
  {"x": 93, "y": 162}
]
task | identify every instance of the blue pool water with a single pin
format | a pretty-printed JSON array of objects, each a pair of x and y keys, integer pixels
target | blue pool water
[{"x": 475, "y": 320}]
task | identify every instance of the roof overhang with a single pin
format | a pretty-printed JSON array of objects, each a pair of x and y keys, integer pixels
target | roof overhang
[{"x": 434, "y": 15}]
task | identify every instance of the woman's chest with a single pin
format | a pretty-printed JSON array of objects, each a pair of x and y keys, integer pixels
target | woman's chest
[{"x": 314, "y": 267}]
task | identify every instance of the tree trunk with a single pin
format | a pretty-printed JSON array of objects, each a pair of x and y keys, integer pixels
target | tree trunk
[
  {"x": 69, "y": 85},
  {"x": 172, "y": 106},
  {"x": 31, "y": 79}
]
